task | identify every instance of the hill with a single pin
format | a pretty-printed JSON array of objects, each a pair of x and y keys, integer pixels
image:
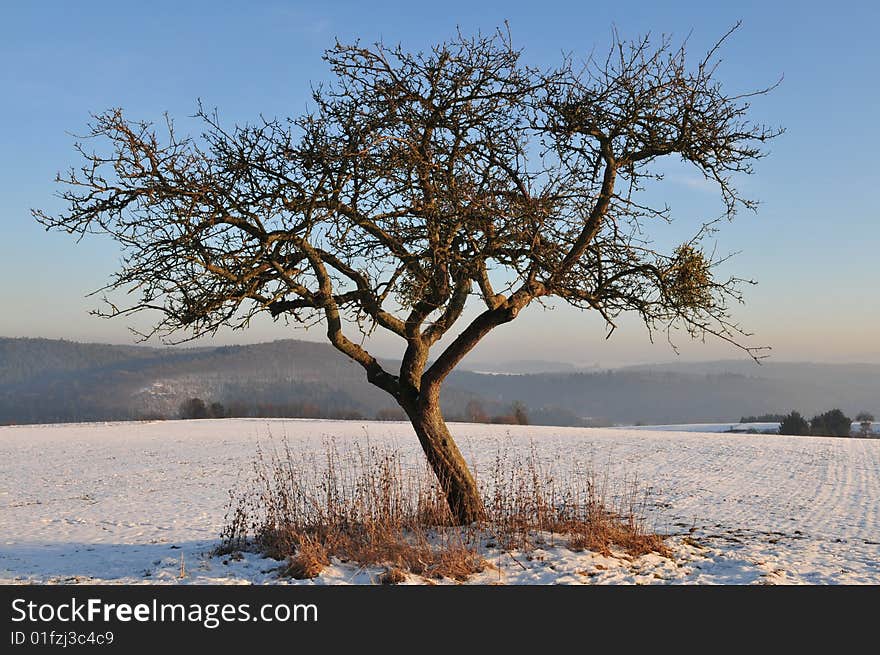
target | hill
[
  {"x": 43, "y": 380},
  {"x": 720, "y": 391}
]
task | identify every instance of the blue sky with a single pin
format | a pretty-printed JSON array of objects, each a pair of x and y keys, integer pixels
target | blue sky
[{"x": 813, "y": 246}]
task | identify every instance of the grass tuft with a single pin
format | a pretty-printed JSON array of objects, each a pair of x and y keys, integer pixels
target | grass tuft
[
  {"x": 373, "y": 508},
  {"x": 310, "y": 558},
  {"x": 392, "y": 575}
]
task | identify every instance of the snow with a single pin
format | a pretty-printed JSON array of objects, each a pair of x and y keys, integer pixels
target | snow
[
  {"x": 143, "y": 502},
  {"x": 766, "y": 428},
  {"x": 706, "y": 427}
]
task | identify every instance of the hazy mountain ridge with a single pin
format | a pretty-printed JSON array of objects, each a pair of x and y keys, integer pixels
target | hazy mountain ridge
[
  {"x": 682, "y": 392},
  {"x": 112, "y": 382},
  {"x": 24, "y": 359},
  {"x": 521, "y": 367},
  {"x": 768, "y": 369},
  {"x": 637, "y": 396},
  {"x": 43, "y": 380}
]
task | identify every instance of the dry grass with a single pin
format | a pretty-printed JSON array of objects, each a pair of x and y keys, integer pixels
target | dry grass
[
  {"x": 372, "y": 508},
  {"x": 529, "y": 502},
  {"x": 309, "y": 560},
  {"x": 392, "y": 575}
]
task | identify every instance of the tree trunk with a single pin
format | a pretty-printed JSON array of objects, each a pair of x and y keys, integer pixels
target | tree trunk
[{"x": 447, "y": 462}]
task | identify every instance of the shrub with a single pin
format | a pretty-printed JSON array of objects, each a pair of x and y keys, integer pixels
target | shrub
[
  {"x": 193, "y": 408},
  {"x": 475, "y": 412},
  {"x": 517, "y": 415},
  {"x": 865, "y": 421},
  {"x": 795, "y": 424},
  {"x": 520, "y": 414},
  {"x": 833, "y": 423}
]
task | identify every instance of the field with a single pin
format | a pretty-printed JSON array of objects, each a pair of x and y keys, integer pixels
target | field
[{"x": 145, "y": 502}]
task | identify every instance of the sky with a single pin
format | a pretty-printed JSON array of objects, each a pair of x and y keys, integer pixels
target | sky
[{"x": 813, "y": 246}]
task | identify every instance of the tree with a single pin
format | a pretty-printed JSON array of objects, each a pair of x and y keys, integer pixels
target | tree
[
  {"x": 865, "y": 421},
  {"x": 475, "y": 412},
  {"x": 417, "y": 182},
  {"x": 193, "y": 408},
  {"x": 217, "y": 410},
  {"x": 520, "y": 413},
  {"x": 795, "y": 424},
  {"x": 833, "y": 423}
]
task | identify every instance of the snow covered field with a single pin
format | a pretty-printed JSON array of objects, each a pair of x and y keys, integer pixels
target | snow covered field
[
  {"x": 766, "y": 428},
  {"x": 706, "y": 427},
  {"x": 144, "y": 502}
]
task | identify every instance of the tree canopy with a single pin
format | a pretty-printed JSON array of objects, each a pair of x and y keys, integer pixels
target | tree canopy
[
  {"x": 833, "y": 423},
  {"x": 417, "y": 181}
]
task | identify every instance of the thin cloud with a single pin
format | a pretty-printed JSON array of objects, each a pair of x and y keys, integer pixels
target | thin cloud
[{"x": 693, "y": 182}]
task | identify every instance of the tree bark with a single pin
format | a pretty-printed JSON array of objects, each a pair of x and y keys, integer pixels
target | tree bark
[{"x": 447, "y": 462}]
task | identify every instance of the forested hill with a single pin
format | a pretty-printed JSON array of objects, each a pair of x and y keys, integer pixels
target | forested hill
[
  {"x": 43, "y": 380},
  {"x": 49, "y": 380},
  {"x": 23, "y": 360}
]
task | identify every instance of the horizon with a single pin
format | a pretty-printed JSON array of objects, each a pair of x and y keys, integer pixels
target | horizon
[
  {"x": 469, "y": 360},
  {"x": 816, "y": 276}
]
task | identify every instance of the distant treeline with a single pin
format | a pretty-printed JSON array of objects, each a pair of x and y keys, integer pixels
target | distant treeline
[
  {"x": 197, "y": 408},
  {"x": 475, "y": 412},
  {"x": 833, "y": 423},
  {"x": 763, "y": 418}
]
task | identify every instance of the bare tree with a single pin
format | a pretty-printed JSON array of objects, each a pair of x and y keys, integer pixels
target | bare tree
[
  {"x": 866, "y": 423},
  {"x": 475, "y": 412},
  {"x": 418, "y": 181}
]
